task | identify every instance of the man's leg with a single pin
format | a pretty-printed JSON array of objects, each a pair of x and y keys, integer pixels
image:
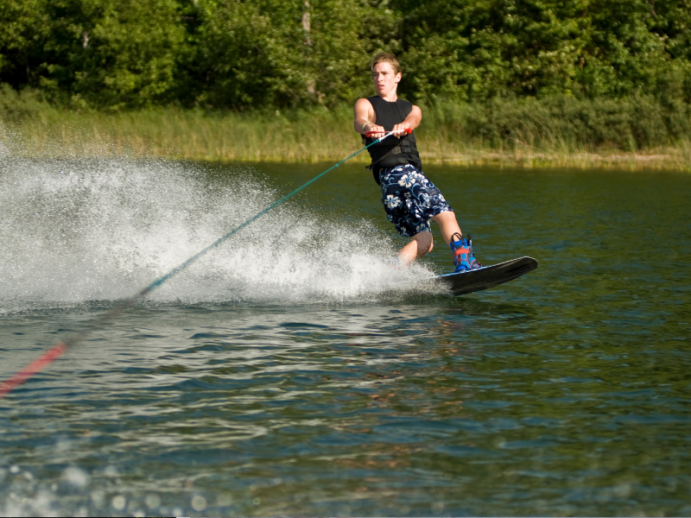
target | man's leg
[
  {"x": 463, "y": 258},
  {"x": 447, "y": 225},
  {"x": 420, "y": 245}
]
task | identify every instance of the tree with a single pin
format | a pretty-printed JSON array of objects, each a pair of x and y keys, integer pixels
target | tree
[
  {"x": 478, "y": 49},
  {"x": 284, "y": 53},
  {"x": 103, "y": 53}
]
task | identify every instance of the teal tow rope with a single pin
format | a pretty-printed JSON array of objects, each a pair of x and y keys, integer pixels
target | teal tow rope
[{"x": 58, "y": 349}]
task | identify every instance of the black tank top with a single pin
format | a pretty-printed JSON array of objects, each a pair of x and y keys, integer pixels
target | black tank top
[{"x": 392, "y": 151}]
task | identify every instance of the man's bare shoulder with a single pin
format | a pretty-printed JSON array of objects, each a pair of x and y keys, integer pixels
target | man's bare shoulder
[
  {"x": 416, "y": 110},
  {"x": 364, "y": 109},
  {"x": 363, "y": 102}
]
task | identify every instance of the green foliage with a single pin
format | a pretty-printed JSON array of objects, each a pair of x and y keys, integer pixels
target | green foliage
[
  {"x": 16, "y": 107},
  {"x": 102, "y": 53},
  {"x": 480, "y": 49},
  {"x": 267, "y": 53},
  {"x": 22, "y": 34},
  {"x": 277, "y": 54}
]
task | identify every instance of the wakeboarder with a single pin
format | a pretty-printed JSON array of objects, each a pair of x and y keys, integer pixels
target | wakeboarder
[{"x": 410, "y": 199}]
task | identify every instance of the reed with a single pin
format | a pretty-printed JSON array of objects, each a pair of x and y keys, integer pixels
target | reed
[{"x": 509, "y": 133}]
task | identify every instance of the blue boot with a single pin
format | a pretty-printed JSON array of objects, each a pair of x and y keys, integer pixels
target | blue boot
[{"x": 463, "y": 258}]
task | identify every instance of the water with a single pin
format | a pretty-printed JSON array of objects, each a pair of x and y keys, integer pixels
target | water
[{"x": 293, "y": 372}]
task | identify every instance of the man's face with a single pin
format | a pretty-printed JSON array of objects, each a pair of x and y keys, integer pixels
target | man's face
[{"x": 385, "y": 80}]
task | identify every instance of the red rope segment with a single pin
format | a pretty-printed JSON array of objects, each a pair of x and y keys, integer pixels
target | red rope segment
[{"x": 36, "y": 366}]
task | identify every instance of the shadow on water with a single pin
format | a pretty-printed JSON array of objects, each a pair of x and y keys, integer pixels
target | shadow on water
[{"x": 284, "y": 376}]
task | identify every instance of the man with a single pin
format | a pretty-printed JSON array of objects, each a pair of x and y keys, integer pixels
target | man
[{"x": 409, "y": 198}]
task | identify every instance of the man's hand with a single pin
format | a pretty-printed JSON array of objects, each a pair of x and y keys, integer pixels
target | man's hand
[
  {"x": 372, "y": 130},
  {"x": 402, "y": 129}
]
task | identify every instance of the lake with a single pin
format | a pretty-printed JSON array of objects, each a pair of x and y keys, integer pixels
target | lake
[{"x": 293, "y": 371}]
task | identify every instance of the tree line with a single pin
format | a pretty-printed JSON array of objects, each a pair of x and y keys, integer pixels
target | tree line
[{"x": 275, "y": 54}]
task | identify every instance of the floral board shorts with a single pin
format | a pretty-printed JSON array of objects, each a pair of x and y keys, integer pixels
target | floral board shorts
[{"x": 410, "y": 199}]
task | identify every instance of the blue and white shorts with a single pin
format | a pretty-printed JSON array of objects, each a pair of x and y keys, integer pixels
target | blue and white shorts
[{"x": 410, "y": 199}]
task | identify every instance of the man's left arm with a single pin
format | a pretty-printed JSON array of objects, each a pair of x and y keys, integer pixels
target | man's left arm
[{"x": 412, "y": 121}]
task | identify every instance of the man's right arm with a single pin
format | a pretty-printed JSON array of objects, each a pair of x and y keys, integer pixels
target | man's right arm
[{"x": 365, "y": 119}]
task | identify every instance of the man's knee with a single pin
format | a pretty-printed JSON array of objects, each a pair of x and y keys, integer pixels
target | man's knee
[
  {"x": 425, "y": 243},
  {"x": 430, "y": 245}
]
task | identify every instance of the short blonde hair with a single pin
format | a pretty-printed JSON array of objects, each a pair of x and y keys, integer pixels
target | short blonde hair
[{"x": 385, "y": 57}]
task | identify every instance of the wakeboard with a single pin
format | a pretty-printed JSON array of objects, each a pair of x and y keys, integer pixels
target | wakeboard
[{"x": 488, "y": 276}]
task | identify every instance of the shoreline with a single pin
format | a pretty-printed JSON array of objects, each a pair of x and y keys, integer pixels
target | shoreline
[{"x": 671, "y": 159}]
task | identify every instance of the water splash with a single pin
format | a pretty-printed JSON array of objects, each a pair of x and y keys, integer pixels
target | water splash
[{"x": 75, "y": 231}]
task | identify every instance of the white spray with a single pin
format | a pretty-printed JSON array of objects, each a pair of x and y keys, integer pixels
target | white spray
[{"x": 73, "y": 231}]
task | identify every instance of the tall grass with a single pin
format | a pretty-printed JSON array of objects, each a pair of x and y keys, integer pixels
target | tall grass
[
  {"x": 173, "y": 133},
  {"x": 632, "y": 133}
]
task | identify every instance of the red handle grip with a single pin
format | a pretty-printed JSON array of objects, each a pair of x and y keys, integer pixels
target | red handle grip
[{"x": 370, "y": 133}]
